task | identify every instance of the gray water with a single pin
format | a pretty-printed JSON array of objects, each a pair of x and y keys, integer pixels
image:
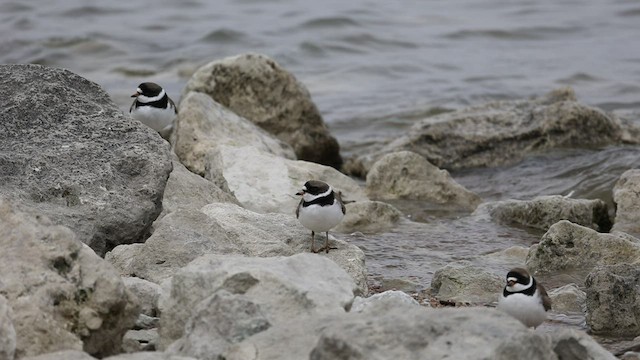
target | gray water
[{"x": 373, "y": 68}]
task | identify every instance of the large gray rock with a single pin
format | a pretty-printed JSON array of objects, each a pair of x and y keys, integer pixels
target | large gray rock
[
  {"x": 407, "y": 175},
  {"x": 570, "y": 247},
  {"x": 225, "y": 228},
  {"x": 281, "y": 288},
  {"x": 463, "y": 282},
  {"x": 568, "y": 298},
  {"x": 149, "y": 355},
  {"x": 217, "y": 322},
  {"x": 570, "y": 344},
  {"x": 264, "y": 182},
  {"x": 369, "y": 217},
  {"x": 7, "y": 331},
  {"x": 146, "y": 292},
  {"x": 186, "y": 190},
  {"x": 613, "y": 300},
  {"x": 67, "y": 151},
  {"x": 257, "y": 88},
  {"x": 63, "y": 295},
  {"x": 505, "y": 131},
  {"x": 544, "y": 211},
  {"x": 626, "y": 195},
  {"x": 204, "y": 124},
  {"x": 62, "y": 355},
  {"x": 384, "y": 300}
]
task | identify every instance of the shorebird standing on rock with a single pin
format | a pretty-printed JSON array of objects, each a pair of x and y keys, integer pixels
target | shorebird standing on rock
[
  {"x": 319, "y": 210},
  {"x": 154, "y": 108},
  {"x": 524, "y": 298}
]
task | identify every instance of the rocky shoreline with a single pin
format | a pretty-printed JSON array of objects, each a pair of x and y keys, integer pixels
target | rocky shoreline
[{"x": 116, "y": 244}]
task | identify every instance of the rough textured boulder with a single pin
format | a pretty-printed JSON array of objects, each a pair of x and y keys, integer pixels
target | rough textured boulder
[
  {"x": 568, "y": 298},
  {"x": 257, "y": 88},
  {"x": 186, "y": 190},
  {"x": 505, "y": 131},
  {"x": 626, "y": 195},
  {"x": 463, "y": 282},
  {"x": 275, "y": 289},
  {"x": 571, "y": 344},
  {"x": 407, "y": 175},
  {"x": 62, "y": 355},
  {"x": 7, "y": 331},
  {"x": 63, "y": 295},
  {"x": 149, "y": 355},
  {"x": 570, "y": 247},
  {"x": 383, "y": 300},
  {"x": 369, "y": 217},
  {"x": 67, "y": 151},
  {"x": 544, "y": 211},
  {"x": 613, "y": 300},
  {"x": 204, "y": 124},
  {"x": 146, "y": 292},
  {"x": 225, "y": 228},
  {"x": 266, "y": 183}
]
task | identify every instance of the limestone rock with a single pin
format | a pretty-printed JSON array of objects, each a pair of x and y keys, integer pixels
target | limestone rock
[
  {"x": 369, "y": 217},
  {"x": 503, "y": 132},
  {"x": 384, "y": 300},
  {"x": 570, "y": 344},
  {"x": 464, "y": 282},
  {"x": 7, "y": 331},
  {"x": 187, "y": 190},
  {"x": 63, "y": 295},
  {"x": 204, "y": 124},
  {"x": 613, "y": 300},
  {"x": 257, "y": 88},
  {"x": 146, "y": 292},
  {"x": 407, "y": 175},
  {"x": 626, "y": 195},
  {"x": 568, "y": 298},
  {"x": 67, "y": 151},
  {"x": 62, "y": 355},
  {"x": 266, "y": 183},
  {"x": 570, "y": 247},
  {"x": 544, "y": 211},
  {"x": 282, "y": 288},
  {"x": 149, "y": 355}
]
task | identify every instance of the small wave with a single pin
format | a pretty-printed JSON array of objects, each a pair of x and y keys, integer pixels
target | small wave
[
  {"x": 577, "y": 78},
  {"x": 10, "y": 7},
  {"x": 223, "y": 35},
  {"x": 329, "y": 22},
  {"x": 630, "y": 12},
  {"x": 90, "y": 10},
  {"x": 530, "y": 33}
]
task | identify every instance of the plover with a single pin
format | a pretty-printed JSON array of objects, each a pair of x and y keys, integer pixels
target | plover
[
  {"x": 319, "y": 210},
  {"x": 524, "y": 298},
  {"x": 154, "y": 108}
]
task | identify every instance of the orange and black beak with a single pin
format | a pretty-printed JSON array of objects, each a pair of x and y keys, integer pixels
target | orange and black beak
[
  {"x": 511, "y": 282},
  {"x": 301, "y": 192},
  {"x": 136, "y": 94}
]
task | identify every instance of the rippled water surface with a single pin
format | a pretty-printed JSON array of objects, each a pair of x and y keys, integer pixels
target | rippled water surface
[{"x": 373, "y": 68}]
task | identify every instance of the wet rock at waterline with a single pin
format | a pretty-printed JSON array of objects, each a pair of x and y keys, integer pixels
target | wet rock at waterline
[
  {"x": 544, "y": 211},
  {"x": 68, "y": 152},
  {"x": 62, "y": 295},
  {"x": 257, "y": 88},
  {"x": 369, "y": 217},
  {"x": 407, "y": 175},
  {"x": 568, "y": 298},
  {"x": 464, "y": 282},
  {"x": 573, "y": 248},
  {"x": 626, "y": 195},
  {"x": 203, "y": 125},
  {"x": 502, "y": 132},
  {"x": 613, "y": 300}
]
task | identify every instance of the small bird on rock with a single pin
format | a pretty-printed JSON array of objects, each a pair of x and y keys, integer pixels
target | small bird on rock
[
  {"x": 319, "y": 210},
  {"x": 524, "y": 298},
  {"x": 154, "y": 108}
]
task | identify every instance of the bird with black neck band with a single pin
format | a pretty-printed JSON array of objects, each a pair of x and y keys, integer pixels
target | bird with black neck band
[
  {"x": 153, "y": 107},
  {"x": 524, "y": 298},
  {"x": 319, "y": 210}
]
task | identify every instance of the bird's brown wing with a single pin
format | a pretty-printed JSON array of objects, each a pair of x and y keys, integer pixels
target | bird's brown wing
[
  {"x": 546, "y": 300},
  {"x": 175, "y": 108},
  {"x": 339, "y": 197},
  {"x": 298, "y": 208}
]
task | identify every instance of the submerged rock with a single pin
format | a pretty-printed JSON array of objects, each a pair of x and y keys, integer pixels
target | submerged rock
[
  {"x": 257, "y": 88},
  {"x": 544, "y": 211},
  {"x": 407, "y": 175},
  {"x": 613, "y": 300},
  {"x": 570, "y": 247},
  {"x": 63, "y": 295},
  {"x": 369, "y": 217},
  {"x": 626, "y": 195},
  {"x": 67, "y": 151},
  {"x": 505, "y": 131}
]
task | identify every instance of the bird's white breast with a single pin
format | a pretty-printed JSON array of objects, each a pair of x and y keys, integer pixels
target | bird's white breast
[
  {"x": 528, "y": 309},
  {"x": 321, "y": 218},
  {"x": 155, "y": 118}
]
